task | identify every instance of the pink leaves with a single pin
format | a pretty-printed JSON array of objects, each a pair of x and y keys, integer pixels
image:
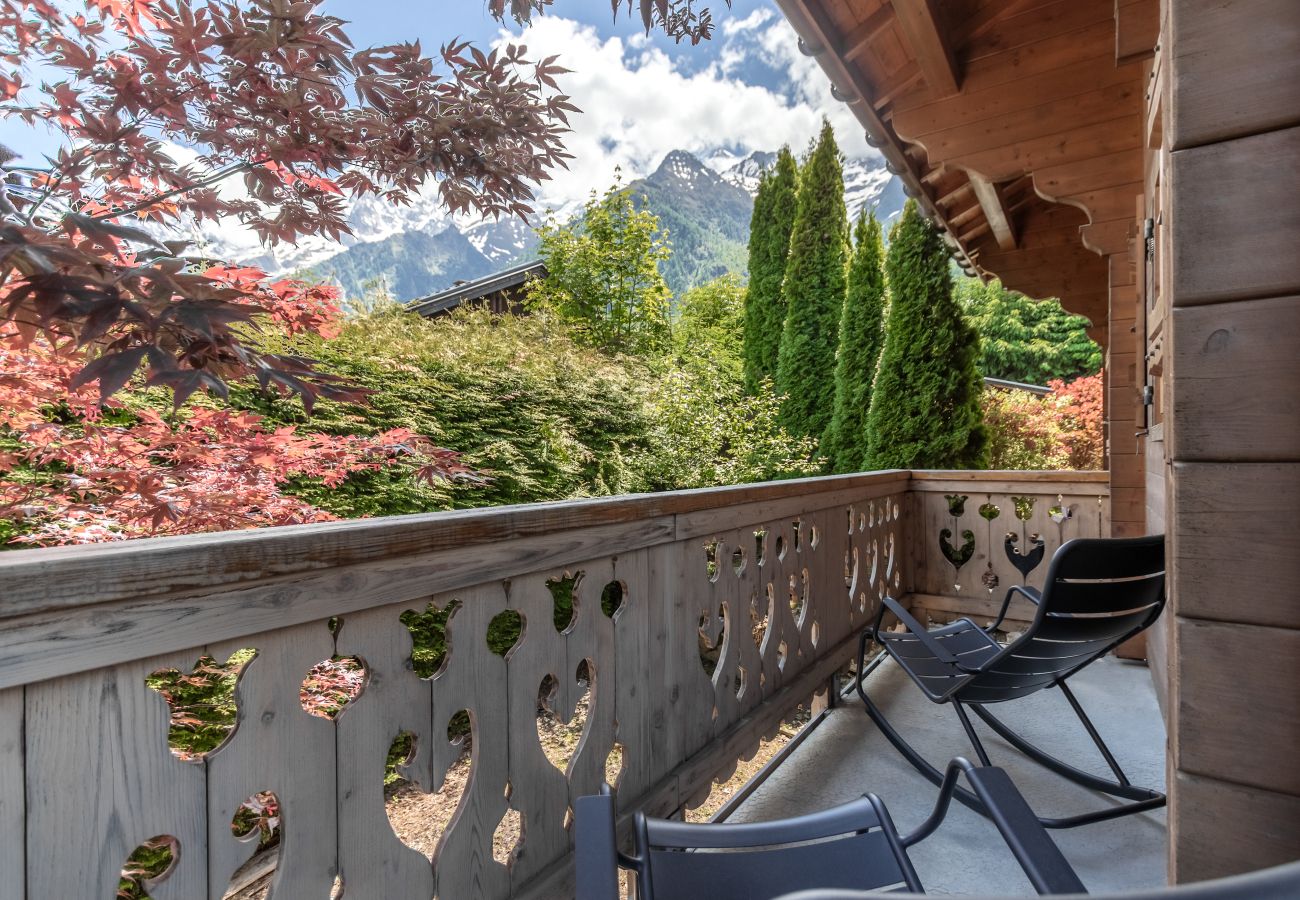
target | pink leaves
[{"x": 85, "y": 478}]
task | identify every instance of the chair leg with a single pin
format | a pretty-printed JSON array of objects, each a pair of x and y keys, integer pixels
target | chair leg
[
  {"x": 1144, "y": 798},
  {"x": 919, "y": 762},
  {"x": 1092, "y": 733},
  {"x": 970, "y": 733}
]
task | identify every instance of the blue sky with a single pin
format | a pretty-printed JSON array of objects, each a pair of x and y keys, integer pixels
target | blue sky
[{"x": 748, "y": 89}]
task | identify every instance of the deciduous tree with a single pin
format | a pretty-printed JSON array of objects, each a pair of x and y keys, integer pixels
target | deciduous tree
[
  {"x": 602, "y": 274},
  {"x": 861, "y": 335},
  {"x": 159, "y": 101},
  {"x": 814, "y": 293},
  {"x": 925, "y": 406}
]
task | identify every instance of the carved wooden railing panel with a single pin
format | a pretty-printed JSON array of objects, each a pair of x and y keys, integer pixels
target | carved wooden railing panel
[
  {"x": 93, "y": 778},
  {"x": 699, "y": 620},
  {"x": 975, "y": 534}
]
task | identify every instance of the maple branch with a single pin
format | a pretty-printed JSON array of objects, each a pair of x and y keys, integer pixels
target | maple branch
[{"x": 220, "y": 175}]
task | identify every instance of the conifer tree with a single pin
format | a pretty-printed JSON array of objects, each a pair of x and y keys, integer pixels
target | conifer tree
[
  {"x": 861, "y": 335},
  {"x": 769, "y": 246},
  {"x": 925, "y": 405},
  {"x": 814, "y": 293}
]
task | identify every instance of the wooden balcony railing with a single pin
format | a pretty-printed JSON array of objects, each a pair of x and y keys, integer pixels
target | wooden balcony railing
[{"x": 775, "y": 578}]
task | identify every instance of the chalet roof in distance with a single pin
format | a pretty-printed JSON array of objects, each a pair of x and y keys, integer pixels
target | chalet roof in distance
[{"x": 466, "y": 291}]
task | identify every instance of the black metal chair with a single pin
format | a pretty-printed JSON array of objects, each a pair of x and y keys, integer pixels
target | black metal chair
[
  {"x": 854, "y": 845},
  {"x": 1098, "y": 594}
]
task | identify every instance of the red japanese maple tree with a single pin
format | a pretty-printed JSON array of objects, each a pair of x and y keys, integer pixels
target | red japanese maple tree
[{"x": 94, "y": 293}]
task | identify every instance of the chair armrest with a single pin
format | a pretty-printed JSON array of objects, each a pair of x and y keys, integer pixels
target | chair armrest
[
  {"x": 917, "y": 630},
  {"x": 1048, "y": 870},
  {"x": 595, "y": 848},
  {"x": 1030, "y": 594}
]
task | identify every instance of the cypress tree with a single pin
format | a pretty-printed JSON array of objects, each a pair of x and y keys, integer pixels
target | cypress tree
[
  {"x": 925, "y": 406},
  {"x": 814, "y": 292},
  {"x": 861, "y": 334},
  {"x": 769, "y": 245}
]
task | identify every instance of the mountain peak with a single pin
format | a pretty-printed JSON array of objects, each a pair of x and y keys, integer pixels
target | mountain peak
[
  {"x": 681, "y": 165},
  {"x": 747, "y": 173}
]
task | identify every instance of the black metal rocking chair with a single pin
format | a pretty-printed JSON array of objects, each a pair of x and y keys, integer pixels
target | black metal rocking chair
[
  {"x": 854, "y": 845},
  {"x": 1098, "y": 593}
]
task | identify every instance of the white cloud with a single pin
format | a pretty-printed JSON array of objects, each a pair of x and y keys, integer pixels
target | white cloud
[
  {"x": 751, "y": 22},
  {"x": 638, "y": 103}
]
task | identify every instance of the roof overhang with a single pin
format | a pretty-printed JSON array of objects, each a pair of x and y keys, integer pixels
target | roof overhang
[{"x": 1017, "y": 125}]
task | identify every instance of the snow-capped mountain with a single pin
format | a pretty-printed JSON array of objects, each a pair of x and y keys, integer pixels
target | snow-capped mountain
[{"x": 421, "y": 249}]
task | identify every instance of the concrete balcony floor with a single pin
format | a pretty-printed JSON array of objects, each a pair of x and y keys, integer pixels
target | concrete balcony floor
[{"x": 847, "y": 756}]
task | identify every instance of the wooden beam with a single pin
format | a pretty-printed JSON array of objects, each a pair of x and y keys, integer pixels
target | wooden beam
[
  {"x": 994, "y": 210},
  {"x": 858, "y": 41},
  {"x": 919, "y": 21}
]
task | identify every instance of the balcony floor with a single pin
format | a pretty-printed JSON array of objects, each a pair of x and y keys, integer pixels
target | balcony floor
[{"x": 847, "y": 756}]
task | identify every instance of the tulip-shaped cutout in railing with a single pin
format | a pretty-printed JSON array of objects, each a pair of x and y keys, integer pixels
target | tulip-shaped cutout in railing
[
  {"x": 988, "y": 512},
  {"x": 958, "y": 556},
  {"x": 1030, "y": 553}
]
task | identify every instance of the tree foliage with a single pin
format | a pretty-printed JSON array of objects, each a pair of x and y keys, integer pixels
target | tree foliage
[
  {"x": 1062, "y": 430},
  {"x": 1031, "y": 341},
  {"x": 925, "y": 411},
  {"x": 769, "y": 247},
  {"x": 814, "y": 291},
  {"x": 536, "y": 413},
  {"x": 603, "y": 274},
  {"x": 76, "y": 468},
  {"x": 159, "y": 103},
  {"x": 861, "y": 336},
  {"x": 711, "y": 324}
]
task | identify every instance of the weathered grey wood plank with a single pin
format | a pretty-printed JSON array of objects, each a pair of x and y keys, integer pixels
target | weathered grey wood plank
[
  {"x": 1238, "y": 713},
  {"x": 1237, "y": 367},
  {"x": 53, "y": 643},
  {"x": 1236, "y": 69},
  {"x": 538, "y": 790},
  {"x": 1248, "y": 175},
  {"x": 1234, "y": 554},
  {"x": 373, "y": 861},
  {"x": 1265, "y": 828},
  {"x": 277, "y": 746},
  {"x": 473, "y": 679},
  {"x": 101, "y": 781},
  {"x": 57, "y": 578},
  {"x": 13, "y": 801}
]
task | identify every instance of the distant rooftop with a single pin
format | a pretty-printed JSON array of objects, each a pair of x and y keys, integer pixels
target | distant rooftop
[
  {"x": 478, "y": 289},
  {"x": 1017, "y": 386}
]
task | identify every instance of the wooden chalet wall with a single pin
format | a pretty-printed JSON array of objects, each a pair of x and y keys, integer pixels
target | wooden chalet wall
[{"x": 1223, "y": 181}]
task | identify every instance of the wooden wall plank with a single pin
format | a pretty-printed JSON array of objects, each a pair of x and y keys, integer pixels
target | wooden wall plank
[
  {"x": 1238, "y": 367},
  {"x": 1235, "y": 556},
  {"x": 1238, "y": 707},
  {"x": 1264, "y": 828},
  {"x": 13, "y": 806},
  {"x": 1230, "y": 237},
  {"x": 101, "y": 781},
  {"x": 1235, "y": 68}
]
